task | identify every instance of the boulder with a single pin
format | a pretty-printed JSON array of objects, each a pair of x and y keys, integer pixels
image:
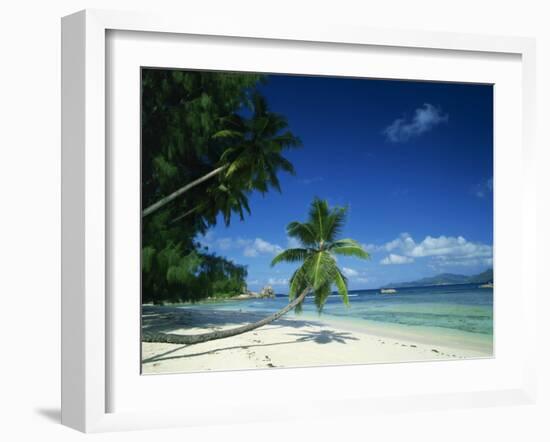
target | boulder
[{"x": 267, "y": 292}]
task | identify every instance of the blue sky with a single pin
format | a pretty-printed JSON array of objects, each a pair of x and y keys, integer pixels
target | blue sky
[{"x": 413, "y": 161}]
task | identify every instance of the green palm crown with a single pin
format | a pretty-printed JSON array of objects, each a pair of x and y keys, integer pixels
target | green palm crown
[
  {"x": 318, "y": 236},
  {"x": 253, "y": 156},
  {"x": 255, "y": 152}
]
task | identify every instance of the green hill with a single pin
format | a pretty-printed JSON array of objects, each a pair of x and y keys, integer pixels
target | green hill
[{"x": 447, "y": 279}]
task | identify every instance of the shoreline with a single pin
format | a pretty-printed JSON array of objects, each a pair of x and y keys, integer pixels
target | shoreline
[
  {"x": 288, "y": 342},
  {"x": 436, "y": 336}
]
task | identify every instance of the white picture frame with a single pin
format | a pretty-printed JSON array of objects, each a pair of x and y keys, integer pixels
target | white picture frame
[{"x": 86, "y": 310}]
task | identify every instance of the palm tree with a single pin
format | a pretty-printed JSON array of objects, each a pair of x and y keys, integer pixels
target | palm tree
[
  {"x": 223, "y": 199},
  {"x": 318, "y": 273},
  {"x": 320, "y": 243},
  {"x": 254, "y": 155}
]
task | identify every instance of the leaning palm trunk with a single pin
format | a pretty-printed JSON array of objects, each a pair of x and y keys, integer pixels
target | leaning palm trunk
[
  {"x": 184, "y": 215},
  {"x": 162, "y": 202},
  {"x": 204, "y": 337}
]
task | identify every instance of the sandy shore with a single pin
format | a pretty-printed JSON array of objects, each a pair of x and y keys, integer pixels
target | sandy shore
[{"x": 288, "y": 342}]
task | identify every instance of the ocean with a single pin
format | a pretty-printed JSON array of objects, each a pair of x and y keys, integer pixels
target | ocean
[{"x": 454, "y": 315}]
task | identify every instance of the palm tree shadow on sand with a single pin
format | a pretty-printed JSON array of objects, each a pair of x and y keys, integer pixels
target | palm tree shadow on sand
[
  {"x": 318, "y": 337},
  {"x": 166, "y": 319},
  {"x": 325, "y": 337}
]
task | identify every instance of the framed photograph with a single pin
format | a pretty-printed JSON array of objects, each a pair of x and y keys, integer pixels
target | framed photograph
[
  {"x": 229, "y": 280},
  {"x": 251, "y": 212}
]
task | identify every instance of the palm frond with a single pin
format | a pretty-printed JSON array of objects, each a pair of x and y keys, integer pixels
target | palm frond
[
  {"x": 304, "y": 232},
  {"x": 243, "y": 201},
  {"x": 277, "y": 122},
  {"x": 320, "y": 268},
  {"x": 318, "y": 213},
  {"x": 235, "y": 122},
  {"x": 259, "y": 104},
  {"x": 341, "y": 283},
  {"x": 230, "y": 153},
  {"x": 345, "y": 242},
  {"x": 298, "y": 283},
  {"x": 321, "y": 295},
  {"x": 290, "y": 255},
  {"x": 288, "y": 139},
  {"x": 239, "y": 163},
  {"x": 349, "y": 247},
  {"x": 259, "y": 125},
  {"x": 334, "y": 223},
  {"x": 299, "y": 308},
  {"x": 272, "y": 173},
  {"x": 282, "y": 163},
  {"x": 227, "y": 133}
]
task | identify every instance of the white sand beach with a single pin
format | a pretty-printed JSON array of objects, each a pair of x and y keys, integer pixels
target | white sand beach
[{"x": 288, "y": 342}]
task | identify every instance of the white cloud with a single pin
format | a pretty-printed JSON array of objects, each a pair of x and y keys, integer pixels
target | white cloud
[
  {"x": 266, "y": 247},
  {"x": 446, "y": 250},
  {"x": 249, "y": 247},
  {"x": 425, "y": 118},
  {"x": 250, "y": 252},
  {"x": 403, "y": 242},
  {"x": 224, "y": 243},
  {"x": 259, "y": 246},
  {"x": 277, "y": 281},
  {"x": 451, "y": 246},
  {"x": 371, "y": 248},
  {"x": 349, "y": 272},
  {"x": 483, "y": 189},
  {"x": 396, "y": 259}
]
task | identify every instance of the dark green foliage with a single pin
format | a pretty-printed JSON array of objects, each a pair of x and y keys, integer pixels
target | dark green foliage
[
  {"x": 220, "y": 277},
  {"x": 194, "y": 122},
  {"x": 255, "y": 156},
  {"x": 181, "y": 111}
]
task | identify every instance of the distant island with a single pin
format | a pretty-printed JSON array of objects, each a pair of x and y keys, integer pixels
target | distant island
[{"x": 447, "y": 279}]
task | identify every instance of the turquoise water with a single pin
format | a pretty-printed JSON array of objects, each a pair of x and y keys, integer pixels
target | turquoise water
[{"x": 453, "y": 313}]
